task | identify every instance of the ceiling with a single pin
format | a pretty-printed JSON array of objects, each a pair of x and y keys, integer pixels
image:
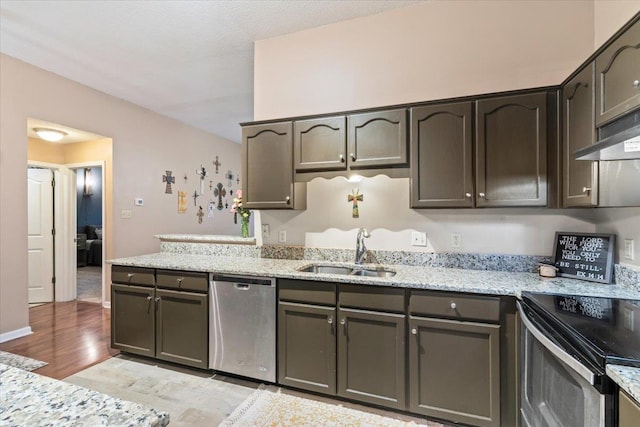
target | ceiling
[{"x": 189, "y": 60}]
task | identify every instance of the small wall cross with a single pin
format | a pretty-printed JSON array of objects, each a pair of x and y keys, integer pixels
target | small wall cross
[
  {"x": 219, "y": 192},
  {"x": 354, "y": 198},
  {"x": 169, "y": 180},
  {"x": 217, "y": 164},
  {"x": 195, "y": 196},
  {"x": 200, "y": 214}
]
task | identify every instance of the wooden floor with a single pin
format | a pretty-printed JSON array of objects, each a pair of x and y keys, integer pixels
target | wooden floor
[{"x": 69, "y": 336}]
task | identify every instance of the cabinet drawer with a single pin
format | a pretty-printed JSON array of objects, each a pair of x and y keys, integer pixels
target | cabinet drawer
[
  {"x": 454, "y": 306},
  {"x": 307, "y": 291},
  {"x": 132, "y": 275},
  {"x": 183, "y": 280},
  {"x": 372, "y": 298}
]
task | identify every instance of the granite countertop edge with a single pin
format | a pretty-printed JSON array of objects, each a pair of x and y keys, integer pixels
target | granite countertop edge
[
  {"x": 411, "y": 277},
  {"x": 627, "y": 377}
]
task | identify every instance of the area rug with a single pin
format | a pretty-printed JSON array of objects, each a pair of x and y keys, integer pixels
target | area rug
[
  {"x": 22, "y": 362},
  {"x": 267, "y": 407}
]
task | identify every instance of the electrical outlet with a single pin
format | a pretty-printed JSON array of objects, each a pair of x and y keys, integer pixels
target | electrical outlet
[
  {"x": 138, "y": 201},
  {"x": 418, "y": 238},
  {"x": 266, "y": 230},
  {"x": 282, "y": 236},
  {"x": 456, "y": 240},
  {"x": 125, "y": 214},
  {"x": 628, "y": 249},
  {"x": 627, "y": 318}
]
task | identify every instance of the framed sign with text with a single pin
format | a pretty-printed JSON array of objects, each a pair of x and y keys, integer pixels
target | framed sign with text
[{"x": 585, "y": 256}]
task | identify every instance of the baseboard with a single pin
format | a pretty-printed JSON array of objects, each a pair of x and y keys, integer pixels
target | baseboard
[
  {"x": 106, "y": 304},
  {"x": 12, "y": 335}
]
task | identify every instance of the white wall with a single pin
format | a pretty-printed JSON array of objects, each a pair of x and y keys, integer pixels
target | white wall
[
  {"x": 609, "y": 16},
  {"x": 144, "y": 145}
]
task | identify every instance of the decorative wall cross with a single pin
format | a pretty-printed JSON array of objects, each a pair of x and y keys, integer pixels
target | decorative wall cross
[
  {"x": 195, "y": 196},
  {"x": 219, "y": 192},
  {"x": 354, "y": 198},
  {"x": 202, "y": 173},
  {"x": 169, "y": 180},
  {"x": 229, "y": 176},
  {"x": 200, "y": 214},
  {"x": 217, "y": 164}
]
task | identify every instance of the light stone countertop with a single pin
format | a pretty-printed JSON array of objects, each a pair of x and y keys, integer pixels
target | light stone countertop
[
  {"x": 206, "y": 238},
  {"x": 414, "y": 277},
  {"x": 29, "y": 399},
  {"x": 627, "y": 377}
]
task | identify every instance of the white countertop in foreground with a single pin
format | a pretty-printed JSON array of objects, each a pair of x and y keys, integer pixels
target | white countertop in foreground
[
  {"x": 29, "y": 399},
  {"x": 434, "y": 278}
]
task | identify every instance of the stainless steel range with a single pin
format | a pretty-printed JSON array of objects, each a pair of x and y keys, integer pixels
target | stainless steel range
[{"x": 566, "y": 343}]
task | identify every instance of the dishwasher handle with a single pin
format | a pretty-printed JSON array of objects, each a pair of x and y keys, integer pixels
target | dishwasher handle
[{"x": 245, "y": 280}]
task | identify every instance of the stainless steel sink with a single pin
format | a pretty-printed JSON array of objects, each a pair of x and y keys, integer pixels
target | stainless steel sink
[{"x": 348, "y": 271}]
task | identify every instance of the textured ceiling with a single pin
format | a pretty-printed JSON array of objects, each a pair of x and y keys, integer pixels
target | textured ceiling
[{"x": 189, "y": 60}]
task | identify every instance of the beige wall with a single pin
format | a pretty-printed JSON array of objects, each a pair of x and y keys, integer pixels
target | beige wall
[
  {"x": 610, "y": 15},
  {"x": 431, "y": 50},
  {"x": 145, "y": 144}
]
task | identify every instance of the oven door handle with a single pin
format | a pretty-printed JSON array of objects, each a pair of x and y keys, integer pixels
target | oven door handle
[{"x": 555, "y": 349}]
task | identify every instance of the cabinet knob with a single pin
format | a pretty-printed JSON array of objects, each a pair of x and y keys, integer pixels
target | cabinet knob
[
  {"x": 330, "y": 320},
  {"x": 636, "y": 84},
  {"x": 149, "y": 298},
  {"x": 467, "y": 195},
  {"x": 481, "y": 195},
  {"x": 179, "y": 280},
  {"x": 288, "y": 200},
  {"x": 414, "y": 331},
  {"x": 586, "y": 189},
  {"x": 353, "y": 157},
  {"x": 342, "y": 158},
  {"x": 343, "y": 321},
  {"x": 453, "y": 305}
]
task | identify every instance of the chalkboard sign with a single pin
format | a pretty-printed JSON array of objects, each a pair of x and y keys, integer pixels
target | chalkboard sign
[
  {"x": 592, "y": 307},
  {"x": 585, "y": 256}
]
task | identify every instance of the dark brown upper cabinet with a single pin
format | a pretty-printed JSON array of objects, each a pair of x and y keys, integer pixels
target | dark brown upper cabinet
[
  {"x": 267, "y": 154},
  {"x": 378, "y": 139},
  {"x": 618, "y": 76},
  {"x": 442, "y": 156},
  {"x": 511, "y": 151},
  {"x": 320, "y": 144},
  {"x": 580, "y": 177}
]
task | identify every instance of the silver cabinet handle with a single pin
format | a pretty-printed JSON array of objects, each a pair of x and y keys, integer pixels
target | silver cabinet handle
[
  {"x": 636, "y": 84},
  {"x": 353, "y": 157},
  {"x": 130, "y": 275},
  {"x": 330, "y": 320},
  {"x": 179, "y": 281},
  {"x": 481, "y": 195},
  {"x": 414, "y": 331},
  {"x": 288, "y": 200},
  {"x": 149, "y": 298},
  {"x": 343, "y": 321},
  {"x": 157, "y": 299},
  {"x": 453, "y": 305},
  {"x": 341, "y": 158},
  {"x": 467, "y": 195},
  {"x": 586, "y": 189}
]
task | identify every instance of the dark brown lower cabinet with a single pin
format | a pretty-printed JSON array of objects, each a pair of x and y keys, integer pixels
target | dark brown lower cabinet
[
  {"x": 182, "y": 327},
  {"x": 133, "y": 319},
  {"x": 371, "y": 357},
  {"x": 454, "y": 370},
  {"x": 307, "y": 347}
]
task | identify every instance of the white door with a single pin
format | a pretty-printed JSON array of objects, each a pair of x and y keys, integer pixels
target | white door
[{"x": 40, "y": 227}]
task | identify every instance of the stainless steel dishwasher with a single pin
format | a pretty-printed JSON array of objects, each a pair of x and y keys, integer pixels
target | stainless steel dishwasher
[{"x": 242, "y": 326}]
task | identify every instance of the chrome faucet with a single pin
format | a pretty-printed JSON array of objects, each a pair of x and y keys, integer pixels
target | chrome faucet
[{"x": 361, "y": 249}]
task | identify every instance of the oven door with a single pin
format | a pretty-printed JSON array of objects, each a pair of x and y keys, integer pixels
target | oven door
[{"x": 557, "y": 390}]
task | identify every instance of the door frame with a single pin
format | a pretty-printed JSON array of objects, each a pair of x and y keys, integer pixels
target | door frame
[{"x": 75, "y": 167}]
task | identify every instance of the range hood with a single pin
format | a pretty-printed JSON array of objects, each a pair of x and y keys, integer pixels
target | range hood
[{"x": 620, "y": 140}]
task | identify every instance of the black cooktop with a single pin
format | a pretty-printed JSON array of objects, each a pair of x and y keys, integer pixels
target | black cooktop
[{"x": 606, "y": 330}]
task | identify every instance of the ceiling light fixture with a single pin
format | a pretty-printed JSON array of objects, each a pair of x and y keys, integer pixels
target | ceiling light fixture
[{"x": 51, "y": 135}]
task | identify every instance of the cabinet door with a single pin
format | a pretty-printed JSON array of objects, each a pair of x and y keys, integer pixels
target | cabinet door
[
  {"x": 511, "y": 151},
  {"x": 182, "y": 327},
  {"x": 268, "y": 166},
  {"x": 618, "y": 76},
  {"x": 580, "y": 176},
  {"x": 320, "y": 144},
  {"x": 378, "y": 139},
  {"x": 441, "y": 156},
  {"x": 307, "y": 347},
  {"x": 629, "y": 411},
  {"x": 371, "y": 357},
  {"x": 133, "y": 319},
  {"x": 454, "y": 370}
]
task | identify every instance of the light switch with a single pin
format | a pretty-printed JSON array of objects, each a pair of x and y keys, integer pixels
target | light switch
[{"x": 126, "y": 214}]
